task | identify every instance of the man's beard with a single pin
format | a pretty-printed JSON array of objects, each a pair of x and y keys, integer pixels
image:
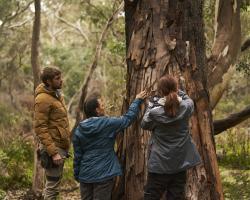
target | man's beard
[{"x": 57, "y": 87}]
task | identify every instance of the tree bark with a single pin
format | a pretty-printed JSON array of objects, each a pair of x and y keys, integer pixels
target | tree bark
[
  {"x": 167, "y": 37},
  {"x": 226, "y": 47},
  {"x": 38, "y": 175},
  {"x": 35, "y": 44},
  {"x": 231, "y": 121}
]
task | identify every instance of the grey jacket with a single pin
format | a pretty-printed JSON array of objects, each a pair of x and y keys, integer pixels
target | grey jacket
[{"x": 171, "y": 147}]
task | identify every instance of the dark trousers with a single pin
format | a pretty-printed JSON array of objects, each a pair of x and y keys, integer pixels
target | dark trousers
[
  {"x": 96, "y": 191},
  {"x": 173, "y": 185}
]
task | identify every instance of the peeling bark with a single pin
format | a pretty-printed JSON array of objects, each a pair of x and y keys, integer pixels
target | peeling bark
[
  {"x": 226, "y": 44},
  {"x": 167, "y": 37}
]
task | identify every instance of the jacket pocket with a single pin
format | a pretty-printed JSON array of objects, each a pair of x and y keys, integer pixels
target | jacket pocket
[
  {"x": 63, "y": 133},
  {"x": 55, "y": 134}
]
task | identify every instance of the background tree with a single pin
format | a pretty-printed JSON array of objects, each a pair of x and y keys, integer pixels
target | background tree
[{"x": 38, "y": 177}]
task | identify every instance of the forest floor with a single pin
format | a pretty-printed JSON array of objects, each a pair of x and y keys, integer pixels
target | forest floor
[
  {"x": 68, "y": 192},
  {"x": 236, "y": 186},
  {"x": 26, "y": 194},
  {"x": 236, "y": 183}
]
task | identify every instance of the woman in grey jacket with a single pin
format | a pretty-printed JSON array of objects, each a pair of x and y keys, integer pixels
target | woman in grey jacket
[{"x": 171, "y": 150}]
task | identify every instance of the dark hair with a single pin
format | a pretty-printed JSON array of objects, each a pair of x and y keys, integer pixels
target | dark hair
[
  {"x": 90, "y": 106},
  {"x": 49, "y": 73},
  {"x": 167, "y": 87}
]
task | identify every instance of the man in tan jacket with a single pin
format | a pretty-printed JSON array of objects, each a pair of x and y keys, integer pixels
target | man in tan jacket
[{"x": 52, "y": 127}]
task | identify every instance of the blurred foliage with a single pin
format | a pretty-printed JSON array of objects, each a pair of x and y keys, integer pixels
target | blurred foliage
[
  {"x": 2, "y": 194},
  {"x": 7, "y": 118},
  {"x": 244, "y": 66},
  {"x": 234, "y": 148},
  {"x": 16, "y": 152},
  {"x": 245, "y": 5},
  {"x": 209, "y": 12},
  {"x": 16, "y": 163},
  {"x": 236, "y": 183},
  {"x": 8, "y": 8}
]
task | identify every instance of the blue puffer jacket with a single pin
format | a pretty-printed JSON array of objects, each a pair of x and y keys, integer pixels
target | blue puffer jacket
[{"x": 94, "y": 156}]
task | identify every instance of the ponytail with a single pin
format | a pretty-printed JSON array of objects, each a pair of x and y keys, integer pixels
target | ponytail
[
  {"x": 167, "y": 87},
  {"x": 172, "y": 104}
]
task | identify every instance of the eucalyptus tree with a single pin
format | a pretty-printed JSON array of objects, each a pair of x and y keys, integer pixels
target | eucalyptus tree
[{"x": 167, "y": 37}]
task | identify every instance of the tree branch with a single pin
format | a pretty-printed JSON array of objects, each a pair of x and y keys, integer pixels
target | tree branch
[
  {"x": 17, "y": 12},
  {"x": 245, "y": 45},
  {"x": 225, "y": 48},
  {"x": 19, "y": 24},
  {"x": 231, "y": 121},
  {"x": 76, "y": 27},
  {"x": 94, "y": 65},
  {"x": 97, "y": 9}
]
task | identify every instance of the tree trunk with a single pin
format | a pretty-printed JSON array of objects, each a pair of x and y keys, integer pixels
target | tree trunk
[
  {"x": 35, "y": 44},
  {"x": 167, "y": 37},
  {"x": 226, "y": 47},
  {"x": 38, "y": 174}
]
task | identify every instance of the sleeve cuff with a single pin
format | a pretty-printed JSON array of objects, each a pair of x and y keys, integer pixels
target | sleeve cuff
[
  {"x": 52, "y": 150},
  {"x": 138, "y": 100}
]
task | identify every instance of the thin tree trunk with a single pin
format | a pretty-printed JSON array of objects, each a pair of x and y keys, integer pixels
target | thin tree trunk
[
  {"x": 167, "y": 37},
  {"x": 84, "y": 87},
  {"x": 38, "y": 174},
  {"x": 35, "y": 44}
]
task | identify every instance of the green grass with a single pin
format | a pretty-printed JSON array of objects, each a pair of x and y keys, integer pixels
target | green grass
[
  {"x": 2, "y": 194},
  {"x": 236, "y": 183}
]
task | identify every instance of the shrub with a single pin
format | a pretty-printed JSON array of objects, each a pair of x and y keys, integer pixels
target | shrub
[
  {"x": 235, "y": 147},
  {"x": 16, "y": 158}
]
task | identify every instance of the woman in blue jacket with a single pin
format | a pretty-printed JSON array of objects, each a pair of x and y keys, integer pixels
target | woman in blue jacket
[
  {"x": 95, "y": 161},
  {"x": 171, "y": 150}
]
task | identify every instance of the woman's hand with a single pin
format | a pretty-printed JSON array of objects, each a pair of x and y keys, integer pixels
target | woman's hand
[{"x": 142, "y": 95}]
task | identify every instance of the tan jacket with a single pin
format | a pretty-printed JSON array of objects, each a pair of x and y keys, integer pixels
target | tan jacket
[{"x": 50, "y": 120}]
